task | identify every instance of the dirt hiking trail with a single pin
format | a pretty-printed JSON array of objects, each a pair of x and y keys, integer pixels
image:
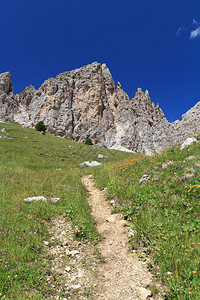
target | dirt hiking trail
[{"x": 124, "y": 276}]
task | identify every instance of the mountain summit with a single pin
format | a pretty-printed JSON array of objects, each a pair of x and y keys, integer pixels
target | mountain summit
[{"x": 86, "y": 103}]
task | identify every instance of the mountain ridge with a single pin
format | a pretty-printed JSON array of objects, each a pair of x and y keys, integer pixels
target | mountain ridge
[{"x": 85, "y": 102}]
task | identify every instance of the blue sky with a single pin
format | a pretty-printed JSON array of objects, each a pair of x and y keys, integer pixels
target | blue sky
[{"x": 151, "y": 44}]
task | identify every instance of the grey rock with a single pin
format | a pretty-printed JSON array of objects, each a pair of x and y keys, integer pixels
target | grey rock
[
  {"x": 5, "y": 83},
  {"x": 38, "y": 198},
  {"x": 186, "y": 177},
  {"x": 143, "y": 293},
  {"x": 100, "y": 156},
  {"x": 188, "y": 142},
  {"x": 8, "y": 104},
  {"x": 77, "y": 286},
  {"x": 167, "y": 164},
  {"x": 46, "y": 243},
  {"x": 156, "y": 179},
  {"x": 73, "y": 252},
  {"x": 86, "y": 103},
  {"x": 191, "y": 157},
  {"x": 197, "y": 165},
  {"x": 90, "y": 164},
  {"x": 112, "y": 202},
  {"x": 54, "y": 200},
  {"x": 144, "y": 179}
]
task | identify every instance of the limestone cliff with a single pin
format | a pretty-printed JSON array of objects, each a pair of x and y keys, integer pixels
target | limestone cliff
[
  {"x": 86, "y": 103},
  {"x": 8, "y": 105}
]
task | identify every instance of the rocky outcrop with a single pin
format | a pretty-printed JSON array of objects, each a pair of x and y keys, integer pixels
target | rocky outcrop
[
  {"x": 189, "y": 125},
  {"x": 8, "y": 105},
  {"x": 86, "y": 103}
]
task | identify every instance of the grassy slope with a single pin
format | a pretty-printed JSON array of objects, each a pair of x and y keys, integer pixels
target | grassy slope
[
  {"x": 165, "y": 214},
  {"x": 35, "y": 165}
]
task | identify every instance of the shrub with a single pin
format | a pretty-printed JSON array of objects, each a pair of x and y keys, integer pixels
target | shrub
[
  {"x": 88, "y": 141},
  {"x": 40, "y": 126}
]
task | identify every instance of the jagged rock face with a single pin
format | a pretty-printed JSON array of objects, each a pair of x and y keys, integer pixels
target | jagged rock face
[
  {"x": 85, "y": 103},
  {"x": 189, "y": 125},
  {"x": 7, "y": 98}
]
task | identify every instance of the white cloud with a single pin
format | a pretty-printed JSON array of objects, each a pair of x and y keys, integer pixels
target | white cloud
[
  {"x": 195, "y": 33},
  {"x": 195, "y": 22},
  {"x": 179, "y": 30}
]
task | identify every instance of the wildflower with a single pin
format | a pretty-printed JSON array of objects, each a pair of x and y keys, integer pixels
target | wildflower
[
  {"x": 178, "y": 259},
  {"x": 194, "y": 272},
  {"x": 131, "y": 254}
]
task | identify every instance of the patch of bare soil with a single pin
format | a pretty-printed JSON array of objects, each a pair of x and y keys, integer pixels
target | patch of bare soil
[{"x": 124, "y": 276}]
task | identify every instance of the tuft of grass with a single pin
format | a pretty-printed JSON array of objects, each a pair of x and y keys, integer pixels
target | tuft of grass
[{"x": 164, "y": 212}]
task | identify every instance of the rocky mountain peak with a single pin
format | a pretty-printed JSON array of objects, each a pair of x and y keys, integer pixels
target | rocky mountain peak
[
  {"x": 86, "y": 103},
  {"x": 6, "y": 83}
]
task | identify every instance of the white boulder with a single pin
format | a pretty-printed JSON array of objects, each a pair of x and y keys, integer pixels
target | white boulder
[
  {"x": 90, "y": 164},
  {"x": 38, "y": 198},
  {"x": 188, "y": 142}
]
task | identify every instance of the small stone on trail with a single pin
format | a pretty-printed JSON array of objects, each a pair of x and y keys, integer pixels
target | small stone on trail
[
  {"x": 111, "y": 219},
  {"x": 68, "y": 269},
  {"x": 76, "y": 244},
  {"x": 73, "y": 252},
  {"x": 112, "y": 202},
  {"x": 78, "y": 286},
  {"x": 123, "y": 222},
  {"x": 143, "y": 293}
]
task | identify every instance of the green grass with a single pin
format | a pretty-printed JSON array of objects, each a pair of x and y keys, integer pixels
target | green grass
[
  {"x": 165, "y": 215},
  {"x": 40, "y": 165}
]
